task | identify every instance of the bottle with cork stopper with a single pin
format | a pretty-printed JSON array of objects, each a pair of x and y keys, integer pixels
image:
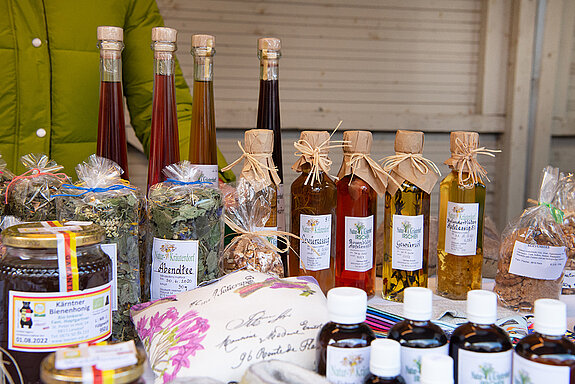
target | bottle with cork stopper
[
  {"x": 481, "y": 351},
  {"x": 417, "y": 335},
  {"x": 436, "y": 369},
  {"x": 112, "y": 142},
  {"x": 203, "y": 149},
  {"x": 164, "y": 138},
  {"x": 385, "y": 362},
  {"x": 345, "y": 337},
  {"x": 546, "y": 355}
]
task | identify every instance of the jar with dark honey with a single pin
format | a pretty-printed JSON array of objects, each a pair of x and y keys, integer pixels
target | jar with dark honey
[{"x": 55, "y": 291}]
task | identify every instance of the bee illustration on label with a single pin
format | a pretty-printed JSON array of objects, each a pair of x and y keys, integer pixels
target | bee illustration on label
[{"x": 26, "y": 315}]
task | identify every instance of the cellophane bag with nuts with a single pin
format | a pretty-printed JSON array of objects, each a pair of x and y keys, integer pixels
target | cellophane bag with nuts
[
  {"x": 30, "y": 196},
  {"x": 247, "y": 212},
  {"x": 532, "y": 253},
  {"x": 102, "y": 197},
  {"x": 565, "y": 201}
]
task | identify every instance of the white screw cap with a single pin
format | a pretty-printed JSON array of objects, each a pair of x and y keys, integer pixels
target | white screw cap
[
  {"x": 436, "y": 369},
  {"x": 385, "y": 358},
  {"x": 346, "y": 305},
  {"x": 481, "y": 307},
  {"x": 417, "y": 303},
  {"x": 550, "y": 317}
]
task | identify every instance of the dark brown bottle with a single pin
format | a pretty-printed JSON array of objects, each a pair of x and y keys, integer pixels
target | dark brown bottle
[{"x": 385, "y": 363}]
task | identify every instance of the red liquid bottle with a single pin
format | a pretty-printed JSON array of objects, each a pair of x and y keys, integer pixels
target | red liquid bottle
[
  {"x": 164, "y": 139},
  {"x": 111, "y": 126}
]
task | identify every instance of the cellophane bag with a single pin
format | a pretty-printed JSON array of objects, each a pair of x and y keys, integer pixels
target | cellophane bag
[
  {"x": 565, "y": 201},
  {"x": 5, "y": 178},
  {"x": 247, "y": 212},
  {"x": 532, "y": 253},
  {"x": 185, "y": 220},
  {"x": 101, "y": 196},
  {"x": 30, "y": 196}
]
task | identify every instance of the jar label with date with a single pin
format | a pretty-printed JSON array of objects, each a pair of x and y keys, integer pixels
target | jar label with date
[
  {"x": 347, "y": 365},
  {"x": 407, "y": 243},
  {"x": 411, "y": 361},
  {"x": 46, "y": 321},
  {"x": 527, "y": 371},
  {"x": 174, "y": 267},
  {"x": 315, "y": 231},
  {"x": 359, "y": 243},
  {"x": 484, "y": 368},
  {"x": 543, "y": 262},
  {"x": 461, "y": 228}
]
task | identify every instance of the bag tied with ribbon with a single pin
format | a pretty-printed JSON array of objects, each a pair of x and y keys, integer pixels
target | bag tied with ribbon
[
  {"x": 5, "y": 178},
  {"x": 565, "y": 201}
]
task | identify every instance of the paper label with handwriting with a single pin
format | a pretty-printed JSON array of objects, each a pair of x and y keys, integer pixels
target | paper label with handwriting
[
  {"x": 174, "y": 267},
  {"x": 347, "y": 365},
  {"x": 484, "y": 368},
  {"x": 407, "y": 243},
  {"x": 543, "y": 262},
  {"x": 103, "y": 357},
  {"x": 411, "y": 361},
  {"x": 359, "y": 243},
  {"x": 315, "y": 230},
  {"x": 569, "y": 279},
  {"x": 529, "y": 372},
  {"x": 461, "y": 226},
  {"x": 281, "y": 207},
  {"x": 209, "y": 174}
]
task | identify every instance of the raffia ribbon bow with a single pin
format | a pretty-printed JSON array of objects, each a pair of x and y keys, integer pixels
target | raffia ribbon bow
[
  {"x": 319, "y": 161},
  {"x": 381, "y": 175},
  {"x": 417, "y": 161},
  {"x": 465, "y": 160},
  {"x": 255, "y": 163}
]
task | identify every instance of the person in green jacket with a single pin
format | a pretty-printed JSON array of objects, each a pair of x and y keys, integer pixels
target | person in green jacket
[{"x": 49, "y": 89}]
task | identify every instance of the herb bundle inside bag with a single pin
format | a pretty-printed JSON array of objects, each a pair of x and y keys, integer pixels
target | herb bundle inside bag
[
  {"x": 565, "y": 201},
  {"x": 30, "y": 196},
  {"x": 5, "y": 177},
  {"x": 185, "y": 231},
  {"x": 104, "y": 198}
]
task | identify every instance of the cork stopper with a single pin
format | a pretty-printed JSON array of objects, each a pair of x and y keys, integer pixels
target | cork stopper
[
  {"x": 110, "y": 33},
  {"x": 471, "y": 139},
  {"x": 200, "y": 41},
  {"x": 408, "y": 141},
  {"x": 270, "y": 43},
  {"x": 259, "y": 141},
  {"x": 164, "y": 34},
  {"x": 315, "y": 139},
  {"x": 357, "y": 142}
]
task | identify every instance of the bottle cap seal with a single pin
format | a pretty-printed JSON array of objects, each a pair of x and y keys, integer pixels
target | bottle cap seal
[
  {"x": 164, "y": 34},
  {"x": 550, "y": 317},
  {"x": 346, "y": 305},
  {"x": 110, "y": 33},
  {"x": 385, "y": 360},
  {"x": 203, "y": 41},
  {"x": 436, "y": 369},
  {"x": 481, "y": 307},
  {"x": 270, "y": 43},
  {"x": 417, "y": 303}
]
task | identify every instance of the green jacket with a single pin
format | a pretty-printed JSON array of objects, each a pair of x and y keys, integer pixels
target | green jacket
[{"x": 49, "y": 89}]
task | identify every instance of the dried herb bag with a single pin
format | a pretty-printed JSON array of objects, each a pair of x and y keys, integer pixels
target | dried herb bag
[
  {"x": 5, "y": 178},
  {"x": 102, "y": 197},
  {"x": 185, "y": 232},
  {"x": 30, "y": 196},
  {"x": 565, "y": 201},
  {"x": 532, "y": 253}
]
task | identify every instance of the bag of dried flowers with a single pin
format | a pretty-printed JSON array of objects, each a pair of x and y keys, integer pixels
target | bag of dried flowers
[
  {"x": 185, "y": 232},
  {"x": 532, "y": 253},
  {"x": 101, "y": 196},
  {"x": 565, "y": 201}
]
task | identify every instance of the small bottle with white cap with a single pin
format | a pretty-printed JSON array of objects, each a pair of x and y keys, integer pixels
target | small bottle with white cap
[
  {"x": 385, "y": 362},
  {"x": 417, "y": 335},
  {"x": 546, "y": 356},
  {"x": 481, "y": 351},
  {"x": 438, "y": 369},
  {"x": 343, "y": 344}
]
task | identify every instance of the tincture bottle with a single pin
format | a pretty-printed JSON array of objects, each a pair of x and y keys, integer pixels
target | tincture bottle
[
  {"x": 546, "y": 355},
  {"x": 385, "y": 362},
  {"x": 343, "y": 352},
  {"x": 417, "y": 335},
  {"x": 436, "y": 369},
  {"x": 481, "y": 351}
]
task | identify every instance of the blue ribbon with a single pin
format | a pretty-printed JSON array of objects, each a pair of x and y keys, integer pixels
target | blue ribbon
[
  {"x": 179, "y": 182},
  {"x": 114, "y": 187}
]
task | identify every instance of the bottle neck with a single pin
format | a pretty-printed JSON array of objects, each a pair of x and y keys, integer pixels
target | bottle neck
[
  {"x": 110, "y": 60},
  {"x": 203, "y": 64},
  {"x": 269, "y": 69},
  {"x": 164, "y": 63}
]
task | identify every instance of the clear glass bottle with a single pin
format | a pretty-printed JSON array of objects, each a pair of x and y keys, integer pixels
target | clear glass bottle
[
  {"x": 164, "y": 149},
  {"x": 417, "y": 335},
  {"x": 436, "y": 369},
  {"x": 343, "y": 344},
  {"x": 112, "y": 142},
  {"x": 385, "y": 362},
  {"x": 460, "y": 231},
  {"x": 203, "y": 149},
  {"x": 481, "y": 351},
  {"x": 546, "y": 355}
]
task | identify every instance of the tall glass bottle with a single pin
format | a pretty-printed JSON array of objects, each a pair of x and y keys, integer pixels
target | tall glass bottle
[
  {"x": 111, "y": 126},
  {"x": 203, "y": 149},
  {"x": 461, "y": 208},
  {"x": 164, "y": 149},
  {"x": 313, "y": 216}
]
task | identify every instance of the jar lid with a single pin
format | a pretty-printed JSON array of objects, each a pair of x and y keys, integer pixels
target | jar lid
[{"x": 44, "y": 234}]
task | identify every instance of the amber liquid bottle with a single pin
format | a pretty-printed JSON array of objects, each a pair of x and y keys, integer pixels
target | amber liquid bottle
[
  {"x": 164, "y": 149},
  {"x": 203, "y": 149},
  {"x": 112, "y": 142},
  {"x": 546, "y": 355}
]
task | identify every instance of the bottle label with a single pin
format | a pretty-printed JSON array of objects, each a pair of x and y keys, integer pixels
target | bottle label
[
  {"x": 315, "y": 230},
  {"x": 271, "y": 239},
  {"x": 461, "y": 228},
  {"x": 537, "y": 261},
  {"x": 569, "y": 279},
  {"x": 112, "y": 251},
  {"x": 529, "y": 372},
  {"x": 281, "y": 207},
  {"x": 484, "y": 368},
  {"x": 411, "y": 361},
  {"x": 407, "y": 240},
  {"x": 44, "y": 322},
  {"x": 347, "y": 365},
  {"x": 359, "y": 243},
  {"x": 174, "y": 267},
  {"x": 210, "y": 174}
]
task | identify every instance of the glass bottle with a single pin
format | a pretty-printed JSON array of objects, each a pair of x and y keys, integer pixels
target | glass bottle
[
  {"x": 417, "y": 335},
  {"x": 460, "y": 231},
  {"x": 313, "y": 216},
  {"x": 406, "y": 229},
  {"x": 345, "y": 337},
  {"x": 112, "y": 142},
  {"x": 385, "y": 362},
  {"x": 481, "y": 351},
  {"x": 546, "y": 355},
  {"x": 356, "y": 221},
  {"x": 436, "y": 369},
  {"x": 203, "y": 150},
  {"x": 164, "y": 149}
]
